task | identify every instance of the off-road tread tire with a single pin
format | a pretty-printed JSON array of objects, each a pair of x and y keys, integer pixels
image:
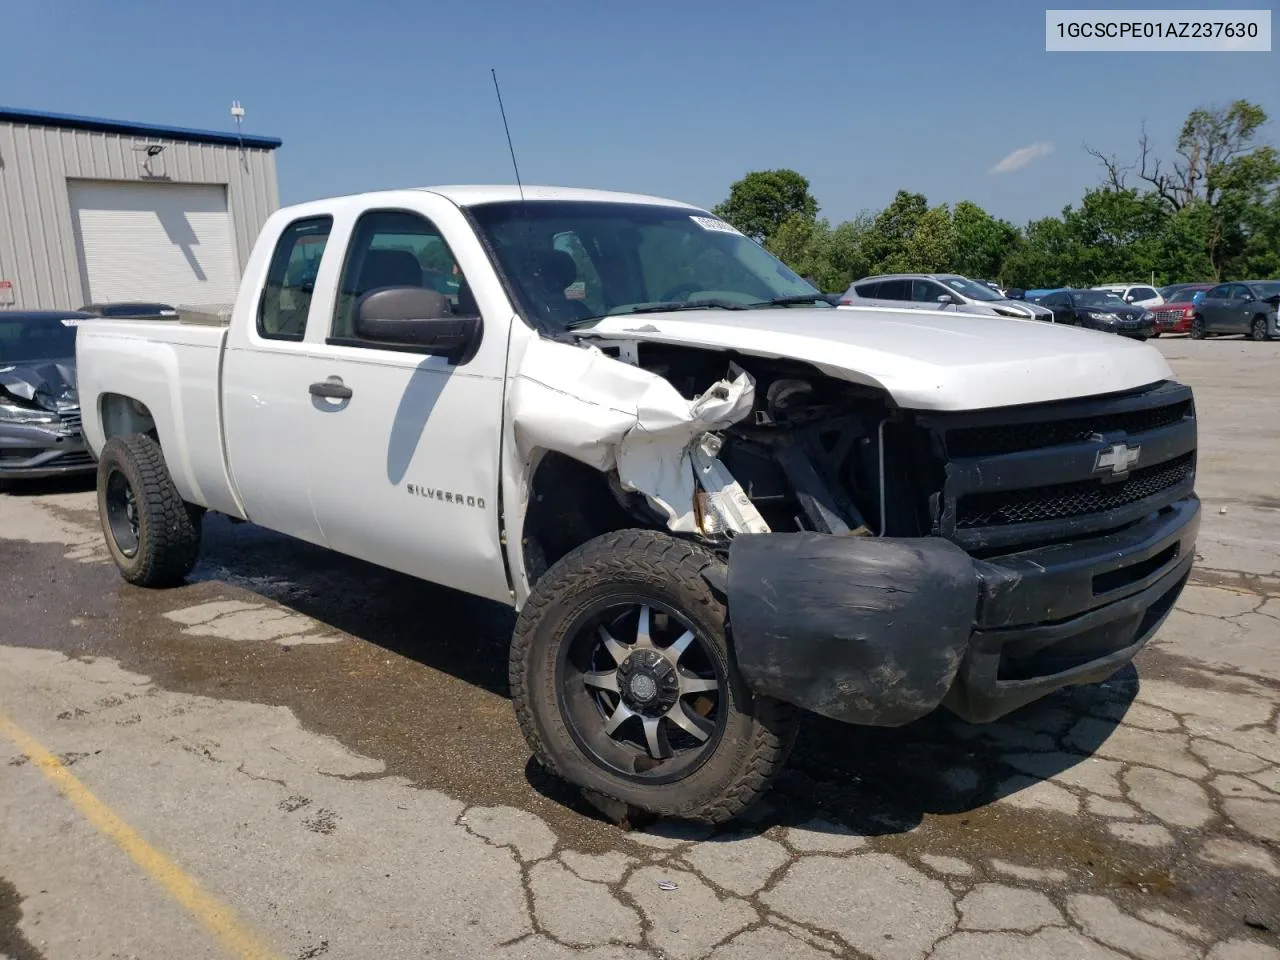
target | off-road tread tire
[
  {"x": 681, "y": 563},
  {"x": 168, "y": 527}
]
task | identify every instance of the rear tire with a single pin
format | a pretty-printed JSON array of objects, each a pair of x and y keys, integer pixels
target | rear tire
[
  {"x": 152, "y": 533},
  {"x": 1197, "y": 327},
  {"x": 573, "y": 674},
  {"x": 1259, "y": 329}
]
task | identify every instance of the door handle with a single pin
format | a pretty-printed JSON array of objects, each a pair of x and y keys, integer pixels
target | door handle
[{"x": 331, "y": 389}]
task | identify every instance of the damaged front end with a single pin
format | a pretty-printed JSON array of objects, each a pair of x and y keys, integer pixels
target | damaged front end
[
  {"x": 40, "y": 433},
  {"x": 880, "y": 562}
]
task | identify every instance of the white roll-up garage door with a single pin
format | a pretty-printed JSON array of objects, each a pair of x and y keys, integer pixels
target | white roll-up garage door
[{"x": 166, "y": 242}]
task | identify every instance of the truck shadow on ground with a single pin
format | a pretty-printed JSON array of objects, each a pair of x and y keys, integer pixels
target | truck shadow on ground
[{"x": 870, "y": 780}]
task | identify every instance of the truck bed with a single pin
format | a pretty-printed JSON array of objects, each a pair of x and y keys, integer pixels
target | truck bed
[{"x": 173, "y": 369}]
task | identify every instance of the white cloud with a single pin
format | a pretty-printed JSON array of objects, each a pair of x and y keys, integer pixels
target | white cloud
[{"x": 1021, "y": 157}]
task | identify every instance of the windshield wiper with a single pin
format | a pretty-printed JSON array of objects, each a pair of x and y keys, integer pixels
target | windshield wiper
[
  {"x": 667, "y": 306},
  {"x": 797, "y": 298}
]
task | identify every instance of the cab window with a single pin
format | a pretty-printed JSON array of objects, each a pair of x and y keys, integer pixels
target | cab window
[{"x": 291, "y": 279}]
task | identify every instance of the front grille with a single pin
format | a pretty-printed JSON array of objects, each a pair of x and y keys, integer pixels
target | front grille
[
  {"x": 1016, "y": 437},
  {"x": 1168, "y": 316},
  {"x": 1065, "y": 500}
]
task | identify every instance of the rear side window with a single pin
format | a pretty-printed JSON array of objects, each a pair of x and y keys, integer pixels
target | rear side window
[
  {"x": 867, "y": 290},
  {"x": 895, "y": 290},
  {"x": 291, "y": 279},
  {"x": 1143, "y": 293},
  {"x": 1219, "y": 292}
]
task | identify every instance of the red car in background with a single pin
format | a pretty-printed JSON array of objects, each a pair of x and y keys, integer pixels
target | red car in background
[{"x": 1179, "y": 307}]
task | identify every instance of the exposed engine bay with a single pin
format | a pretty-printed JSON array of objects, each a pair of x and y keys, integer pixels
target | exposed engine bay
[{"x": 805, "y": 456}]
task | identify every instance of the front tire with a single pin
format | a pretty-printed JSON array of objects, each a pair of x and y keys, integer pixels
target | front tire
[
  {"x": 152, "y": 534},
  {"x": 624, "y": 684},
  {"x": 1259, "y": 329},
  {"x": 1197, "y": 328}
]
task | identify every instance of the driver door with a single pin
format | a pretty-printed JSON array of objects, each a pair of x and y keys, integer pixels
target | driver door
[
  {"x": 928, "y": 292},
  {"x": 1242, "y": 305},
  {"x": 403, "y": 455}
]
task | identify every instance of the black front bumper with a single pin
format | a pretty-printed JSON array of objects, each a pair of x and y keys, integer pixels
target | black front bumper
[
  {"x": 882, "y": 631},
  {"x": 35, "y": 451}
]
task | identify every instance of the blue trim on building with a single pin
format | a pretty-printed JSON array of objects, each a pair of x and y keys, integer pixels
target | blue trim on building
[{"x": 41, "y": 119}]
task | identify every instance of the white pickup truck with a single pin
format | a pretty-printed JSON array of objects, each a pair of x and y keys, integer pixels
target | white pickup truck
[{"x": 713, "y": 497}]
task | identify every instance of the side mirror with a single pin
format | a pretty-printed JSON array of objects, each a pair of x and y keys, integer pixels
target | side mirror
[
  {"x": 1248, "y": 297},
  {"x": 946, "y": 298},
  {"x": 415, "y": 318}
]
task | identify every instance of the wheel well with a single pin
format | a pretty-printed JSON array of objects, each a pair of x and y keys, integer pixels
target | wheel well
[
  {"x": 569, "y": 504},
  {"x": 123, "y": 415}
]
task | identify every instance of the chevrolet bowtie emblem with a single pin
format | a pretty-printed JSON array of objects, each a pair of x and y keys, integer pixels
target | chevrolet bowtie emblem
[{"x": 1117, "y": 458}]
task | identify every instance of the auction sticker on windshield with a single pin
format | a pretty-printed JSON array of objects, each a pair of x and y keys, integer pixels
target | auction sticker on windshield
[{"x": 717, "y": 225}]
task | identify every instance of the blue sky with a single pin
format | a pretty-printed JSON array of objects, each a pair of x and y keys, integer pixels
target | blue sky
[{"x": 677, "y": 99}]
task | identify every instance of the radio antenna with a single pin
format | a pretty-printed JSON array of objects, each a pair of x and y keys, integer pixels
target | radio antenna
[{"x": 505, "y": 127}]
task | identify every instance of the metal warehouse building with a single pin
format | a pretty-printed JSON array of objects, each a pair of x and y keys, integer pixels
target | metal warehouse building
[{"x": 94, "y": 211}]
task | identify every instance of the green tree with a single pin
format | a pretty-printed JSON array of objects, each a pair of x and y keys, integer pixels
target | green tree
[
  {"x": 1218, "y": 183},
  {"x": 762, "y": 201},
  {"x": 812, "y": 248},
  {"x": 981, "y": 242},
  {"x": 886, "y": 243}
]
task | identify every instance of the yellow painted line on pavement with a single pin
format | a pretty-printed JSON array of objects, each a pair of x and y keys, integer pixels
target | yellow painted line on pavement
[{"x": 217, "y": 917}]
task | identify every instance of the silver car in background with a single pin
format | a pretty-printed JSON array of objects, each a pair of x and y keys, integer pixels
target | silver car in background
[{"x": 938, "y": 291}]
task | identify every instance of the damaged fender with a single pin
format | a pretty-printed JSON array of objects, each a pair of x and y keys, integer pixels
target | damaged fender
[
  {"x": 859, "y": 629},
  {"x": 579, "y": 401}
]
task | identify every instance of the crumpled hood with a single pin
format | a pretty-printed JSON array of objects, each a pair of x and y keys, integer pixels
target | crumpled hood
[
  {"x": 924, "y": 361},
  {"x": 50, "y": 384}
]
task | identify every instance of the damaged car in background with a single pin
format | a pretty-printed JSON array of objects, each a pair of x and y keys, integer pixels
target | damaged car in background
[
  {"x": 39, "y": 407},
  {"x": 714, "y": 500}
]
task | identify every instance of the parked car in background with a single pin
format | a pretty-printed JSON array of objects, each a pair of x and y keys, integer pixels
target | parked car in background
[
  {"x": 1246, "y": 307},
  {"x": 1138, "y": 294},
  {"x": 1100, "y": 310},
  {"x": 124, "y": 310},
  {"x": 39, "y": 407},
  {"x": 1032, "y": 295},
  {"x": 937, "y": 291},
  {"x": 1178, "y": 310},
  {"x": 995, "y": 287}
]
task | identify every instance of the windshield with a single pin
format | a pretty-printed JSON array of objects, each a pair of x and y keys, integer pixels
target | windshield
[
  {"x": 974, "y": 291},
  {"x": 45, "y": 338},
  {"x": 571, "y": 262},
  {"x": 1098, "y": 298},
  {"x": 1264, "y": 291}
]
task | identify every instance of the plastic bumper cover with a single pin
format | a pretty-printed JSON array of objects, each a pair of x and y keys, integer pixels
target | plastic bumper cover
[
  {"x": 881, "y": 632},
  {"x": 30, "y": 451}
]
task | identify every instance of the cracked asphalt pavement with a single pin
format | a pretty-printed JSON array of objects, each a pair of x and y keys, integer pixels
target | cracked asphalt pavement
[{"x": 327, "y": 749}]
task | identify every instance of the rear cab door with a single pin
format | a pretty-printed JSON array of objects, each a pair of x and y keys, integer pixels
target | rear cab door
[{"x": 266, "y": 411}]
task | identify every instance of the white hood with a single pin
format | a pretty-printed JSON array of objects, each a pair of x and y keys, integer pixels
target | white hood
[{"x": 924, "y": 361}]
